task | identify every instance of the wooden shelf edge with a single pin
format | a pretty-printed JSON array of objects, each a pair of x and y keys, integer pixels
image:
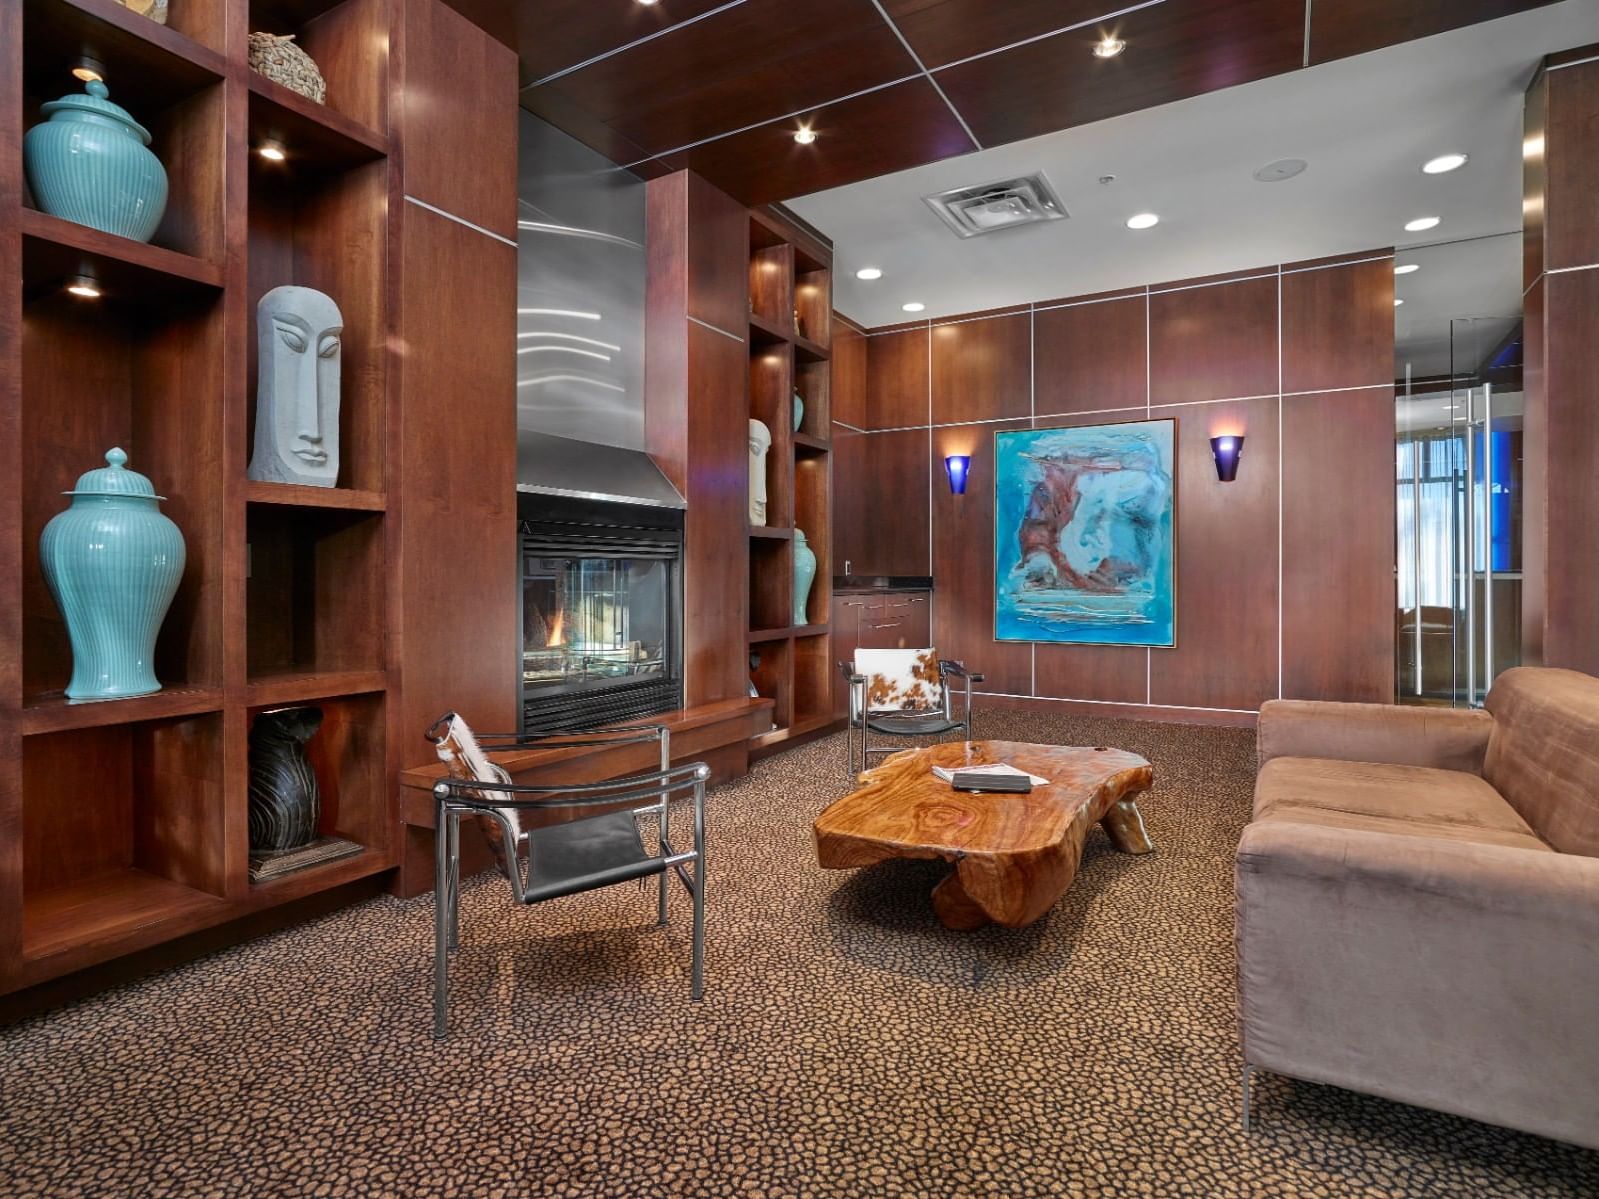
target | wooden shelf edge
[
  {"x": 312, "y": 685},
  {"x": 126, "y": 21},
  {"x": 773, "y": 330},
  {"x": 302, "y": 108},
  {"x": 57, "y": 714},
  {"x": 813, "y": 350},
  {"x": 812, "y": 630},
  {"x": 346, "y": 499},
  {"x": 763, "y": 636},
  {"x": 98, "y": 915},
  {"x": 55, "y": 230},
  {"x": 805, "y": 441},
  {"x": 771, "y": 533}
]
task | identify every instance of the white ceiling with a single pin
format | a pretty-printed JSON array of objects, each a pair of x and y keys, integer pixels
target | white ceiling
[{"x": 1365, "y": 125}]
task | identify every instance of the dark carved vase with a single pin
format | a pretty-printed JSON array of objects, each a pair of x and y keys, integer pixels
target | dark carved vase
[{"x": 284, "y": 799}]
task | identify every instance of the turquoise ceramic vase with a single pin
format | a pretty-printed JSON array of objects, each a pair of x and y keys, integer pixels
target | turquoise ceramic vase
[
  {"x": 91, "y": 163},
  {"x": 804, "y": 576},
  {"x": 112, "y": 562},
  {"x": 799, "y": 410}
]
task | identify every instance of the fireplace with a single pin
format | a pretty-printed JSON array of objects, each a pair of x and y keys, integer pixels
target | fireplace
[{"x": 601, "y": 611}]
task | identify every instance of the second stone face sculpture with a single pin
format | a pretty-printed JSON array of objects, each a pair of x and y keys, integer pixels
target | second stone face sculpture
[
  {"x": 300, "y": 338},
  {"x": 760, "y": 444}
]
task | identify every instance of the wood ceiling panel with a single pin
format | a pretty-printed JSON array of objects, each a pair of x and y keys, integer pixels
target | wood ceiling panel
[
  {"x": 1175, "y": 50},
  {"x": 889, "y": 130},
  {"x": 552, "y": 35},
  {"x": 945, "y": 31},
  {"x": 1340, "y": 28},
  {"x": 703, "y": 79}
]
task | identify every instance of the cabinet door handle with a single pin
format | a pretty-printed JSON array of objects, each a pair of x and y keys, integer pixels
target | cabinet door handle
[{"x": 893, "y": 624}]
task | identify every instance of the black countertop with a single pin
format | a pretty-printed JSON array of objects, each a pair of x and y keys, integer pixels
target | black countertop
[{"x": 847, "y": 583}]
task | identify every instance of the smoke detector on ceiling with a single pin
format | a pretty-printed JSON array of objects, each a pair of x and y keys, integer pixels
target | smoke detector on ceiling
[{"x": 989, "y": 207}]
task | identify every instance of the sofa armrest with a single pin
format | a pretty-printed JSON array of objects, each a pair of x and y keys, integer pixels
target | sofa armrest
[
  {"x": 1443, "y": 738},
  {"x": 1447, "y": 973}
]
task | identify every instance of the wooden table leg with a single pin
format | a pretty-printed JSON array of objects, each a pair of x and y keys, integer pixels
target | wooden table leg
[
  {"x": 1125, "y": 825},
  {"x": 955, "y": 908}
]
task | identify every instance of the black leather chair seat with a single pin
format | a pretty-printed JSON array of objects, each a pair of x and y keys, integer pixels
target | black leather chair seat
[
  {"x": 583, "y": 854},
  {"x": 912, "y": 724}
]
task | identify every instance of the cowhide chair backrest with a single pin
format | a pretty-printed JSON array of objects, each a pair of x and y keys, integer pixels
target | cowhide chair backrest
[
  {"x": 464, "y": 758},
  {"x": 899, "y": 680}
]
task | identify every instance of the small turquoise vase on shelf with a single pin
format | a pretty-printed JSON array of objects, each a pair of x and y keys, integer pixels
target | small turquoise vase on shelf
[
  {"x": 804, "y": 576},
  {"x": 113, "y": 562},
  {"x": 799, "y": 410},
  {"x": 91, "y": 163}
]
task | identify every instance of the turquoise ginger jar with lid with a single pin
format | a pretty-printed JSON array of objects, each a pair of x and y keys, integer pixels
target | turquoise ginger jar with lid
[
  {"x": 804, "y": 576},
  {"x": 112, "y": 562},
  {"x": 91, "y": 163}
]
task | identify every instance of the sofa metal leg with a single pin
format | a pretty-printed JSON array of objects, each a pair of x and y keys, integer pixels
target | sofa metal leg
[{"x": 1249, "y": 1120}]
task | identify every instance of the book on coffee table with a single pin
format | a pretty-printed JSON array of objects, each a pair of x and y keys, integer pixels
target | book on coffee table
[{"x": 998, "y": 770}]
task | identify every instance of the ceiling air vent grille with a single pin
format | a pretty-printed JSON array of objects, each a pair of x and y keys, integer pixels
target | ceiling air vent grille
[{"x": 993, "y": 206}]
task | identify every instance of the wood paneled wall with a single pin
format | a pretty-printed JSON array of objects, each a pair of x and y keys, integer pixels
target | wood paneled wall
[
  {"x": 696, "y": 366},
  {"x": 1284, "y": 577},
  {"x": 1561, "y": 376}
]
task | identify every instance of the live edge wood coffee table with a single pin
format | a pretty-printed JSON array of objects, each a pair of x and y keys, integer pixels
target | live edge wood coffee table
[{"x": 1014, "y": 855}]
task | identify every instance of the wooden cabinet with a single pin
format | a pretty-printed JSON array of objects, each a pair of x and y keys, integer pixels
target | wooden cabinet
[{"x": 877, "y": 620}]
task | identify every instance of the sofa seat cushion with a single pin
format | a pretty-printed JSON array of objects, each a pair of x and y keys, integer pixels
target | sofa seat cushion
[{"x": 1416, "y": 800}]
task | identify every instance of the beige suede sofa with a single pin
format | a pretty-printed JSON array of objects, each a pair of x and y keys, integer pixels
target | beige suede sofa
[{"x": 1418, "y": 903}]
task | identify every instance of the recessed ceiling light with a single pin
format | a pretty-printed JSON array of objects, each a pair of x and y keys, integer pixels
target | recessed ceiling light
[
  {"x": 88, "y": 70},
  {"x": 1443, "y": 164},
  {"x": 83, "y": 285},
  {"x": 1409, "y": 268},
  {"x": 1109, "y": 46},
  {"x": 1144, "y": 220},
  {"x": 913, "y": 306},
  {"x": 1397, "y": 301},
  {"x": 271, "y": 151},
  {"x": 869, "y": 273},
  {"x": 1421, "y": 224},
  {"x": 805, "y": 135},
  {"x": 1283, "y": 168},
  {"x": 649, "y": 3}
]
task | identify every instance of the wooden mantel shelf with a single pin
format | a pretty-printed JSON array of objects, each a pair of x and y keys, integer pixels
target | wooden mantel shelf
[{"x": 694, "y": 731}]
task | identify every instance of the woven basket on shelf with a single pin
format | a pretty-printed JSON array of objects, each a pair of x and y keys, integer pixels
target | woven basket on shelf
[
  {"x": 156, "y": 10},
  {"x": 281, "y": 61}
]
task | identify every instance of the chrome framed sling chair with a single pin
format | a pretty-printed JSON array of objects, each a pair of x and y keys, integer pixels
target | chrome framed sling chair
[
  {"x": 902, "y": 693},
  {"x": 596, "y": 843}
]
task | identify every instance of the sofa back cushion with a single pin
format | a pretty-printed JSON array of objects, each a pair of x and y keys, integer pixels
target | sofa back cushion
[{"x": 1543, "y": 754}]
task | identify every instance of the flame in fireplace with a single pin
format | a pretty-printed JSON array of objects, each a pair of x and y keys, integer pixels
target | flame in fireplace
[{"x": 557, "y": 629}]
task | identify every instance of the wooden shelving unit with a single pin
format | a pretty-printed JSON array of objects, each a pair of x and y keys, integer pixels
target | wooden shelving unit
[
  {"x": 129, "y": 819},
  {"x": 790, "y": 335}
]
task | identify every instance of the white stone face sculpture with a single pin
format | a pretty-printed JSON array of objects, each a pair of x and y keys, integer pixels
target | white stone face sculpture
[
  {"x": 300, "y": 338},
  {"x": 760, "y": 444}
]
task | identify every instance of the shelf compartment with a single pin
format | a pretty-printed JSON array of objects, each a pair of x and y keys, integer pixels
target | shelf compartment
[
  {"x": 54, "y": 713},
  {"x": 813, "y": 301},
  {"x": 313, "y": 136},
  {"x": 813, "y": 381},
  {"x": 769, "y": 672},
  {"x": 339, "y": 37},
  {"x": 275, "y": 690},
  {"x": 771, "y": 585},
  {"x": 772, "y": 286},
  {"x": 122, "y": 826},
  {"x": 812, "y": 513},
  {"x": 128, "y": 271},
  {"x": 764, "y": 332},
  {"x": 148, "y": 378},
  {"x": 771, "y": 382},
  {"x": 347, "y": 756},
  {"x": 315, "y": 592},
  {"x": 814, "y": 672},
  {"x": 146, "y": 64},
  {"x": 328, "y": 232},
  {"x": 103, "y": 910},
  {"x": 291, "y": 495}
]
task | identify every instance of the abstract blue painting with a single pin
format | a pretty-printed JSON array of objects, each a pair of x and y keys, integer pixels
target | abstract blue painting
[{"x": 1083, "y": 534}]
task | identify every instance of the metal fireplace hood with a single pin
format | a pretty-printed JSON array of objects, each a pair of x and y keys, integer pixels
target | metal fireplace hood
[{"x": 586, "y": 470}]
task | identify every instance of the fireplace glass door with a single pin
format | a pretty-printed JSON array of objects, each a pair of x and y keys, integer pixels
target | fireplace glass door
[{"x": 593, "y": 622}]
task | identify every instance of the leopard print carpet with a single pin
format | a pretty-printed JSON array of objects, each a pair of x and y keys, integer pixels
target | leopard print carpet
[{"x": 848, "y": 1046}]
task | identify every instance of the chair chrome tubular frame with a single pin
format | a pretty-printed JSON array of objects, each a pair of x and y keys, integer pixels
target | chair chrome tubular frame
[
  {"x": 454, "y": 798},
  {"x": 860, "y": 718}
]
